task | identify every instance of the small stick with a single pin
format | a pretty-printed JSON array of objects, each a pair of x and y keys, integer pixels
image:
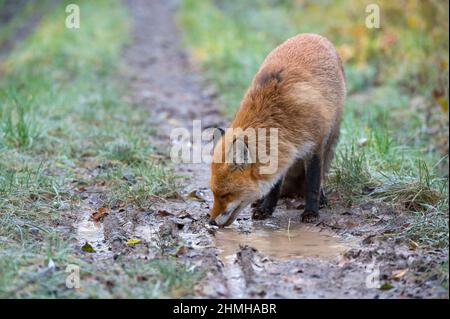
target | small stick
[{"x": 289, "y": 229}]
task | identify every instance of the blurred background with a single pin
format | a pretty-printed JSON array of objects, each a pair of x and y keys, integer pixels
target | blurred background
[{"x": 397, "y": 75}]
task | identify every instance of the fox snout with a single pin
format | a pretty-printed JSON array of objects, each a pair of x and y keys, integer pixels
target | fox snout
[{"x": 224, "y": 214}]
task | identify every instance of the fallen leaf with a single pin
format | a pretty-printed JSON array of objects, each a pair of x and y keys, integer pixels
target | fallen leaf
[
  {"x": 87, "y": 248},
  {"x": 182, "y": 250},
  {"x": 164, "y": 213},
  {"x": 133, "y": 241},
  {"x": 196, "y": 195},
  {"x": 444, "y": 104},
  {"x": 386, "y": 286},
  {"x": 398, "y": 274},
  {"x": 185, "y": 214},
  {"x": 99, "y": 214},
  {"x": 413, "y": 245}
]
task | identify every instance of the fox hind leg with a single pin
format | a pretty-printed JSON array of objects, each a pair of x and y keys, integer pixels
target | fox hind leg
[{"x": 328, "y": 156}]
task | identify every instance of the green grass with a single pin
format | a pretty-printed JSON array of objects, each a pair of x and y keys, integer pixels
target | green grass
[
  {"x": 61, "y": 113},
  {"x": 445, "y": 272},
  {"x": 385, "y": 151}
]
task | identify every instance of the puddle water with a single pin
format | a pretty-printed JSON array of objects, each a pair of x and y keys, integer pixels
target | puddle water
[
  {"x": 89, "y": 231},
  {"x": 301, "y": 241}
]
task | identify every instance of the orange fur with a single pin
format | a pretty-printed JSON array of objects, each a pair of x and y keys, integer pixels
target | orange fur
[{"x": 299, "y": 89}]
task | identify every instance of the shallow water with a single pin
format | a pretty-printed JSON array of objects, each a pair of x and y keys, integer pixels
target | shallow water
[
  {"x": 299, "y": 241},
  {"x": 90, "y": 231}
]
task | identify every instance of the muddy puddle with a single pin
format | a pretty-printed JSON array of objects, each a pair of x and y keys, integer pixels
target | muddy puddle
[
  {"x": 297, "y": 242},
  {"x": 92, "y": 233}
]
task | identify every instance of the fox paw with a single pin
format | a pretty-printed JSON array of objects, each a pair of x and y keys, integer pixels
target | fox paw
[
  {"x": 309, "y": 216},
  {"x": 260, "y": 213}
]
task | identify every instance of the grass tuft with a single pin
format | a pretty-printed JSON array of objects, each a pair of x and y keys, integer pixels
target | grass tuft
[{"x": 63, "y": 122}]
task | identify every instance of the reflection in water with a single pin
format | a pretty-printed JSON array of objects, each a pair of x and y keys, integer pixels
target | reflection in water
[{"x": 301, "y": 241}]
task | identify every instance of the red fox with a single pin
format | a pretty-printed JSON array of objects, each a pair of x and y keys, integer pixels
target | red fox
[{"x": 299, "y": 90}]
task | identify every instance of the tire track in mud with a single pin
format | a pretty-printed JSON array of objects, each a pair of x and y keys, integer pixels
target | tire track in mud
[{"x": 163, "y": 80}]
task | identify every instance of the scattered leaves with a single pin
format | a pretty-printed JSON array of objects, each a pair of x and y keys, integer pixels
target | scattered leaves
[
  {"x": 386, "y": 286},
  {"x": 398, "y": 274},
  {"x": 185, "y": 214},
  {"x": 99, "y": 214},
  {"x": 182, "y": 250},
  {"x": 133, "y": 241},
  {"x": 88, "y": 248},
  {"x": 164, "y": 213},
  {"x": 413, "y": 245},
  {"x": 444, "y": 104},
  {"x": 196, "y": 195}
]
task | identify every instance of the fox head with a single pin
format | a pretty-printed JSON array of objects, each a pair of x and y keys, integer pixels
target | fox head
[{"x": 234, "y": 182}]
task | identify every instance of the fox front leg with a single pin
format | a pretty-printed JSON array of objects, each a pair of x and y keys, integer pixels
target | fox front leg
[
  {"x": 266, "y": 206},
  {"x": 258, "y": 202},
  {"x": 313, "y": 189}
]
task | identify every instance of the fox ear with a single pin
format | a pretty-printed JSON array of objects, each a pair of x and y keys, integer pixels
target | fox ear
[{"x": 240, "y": 154}]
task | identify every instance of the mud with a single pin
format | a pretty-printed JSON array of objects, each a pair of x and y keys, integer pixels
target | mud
[{"x": 347, "y": 254}]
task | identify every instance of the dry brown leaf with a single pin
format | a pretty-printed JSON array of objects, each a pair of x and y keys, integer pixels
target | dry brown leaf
[
  {"x": 196, "y": 195},
  {"x": 398, "y": 274},
  {"x": 182, "y": 250},
  {"x": 164, "y": 213},
  {"x": 99, "y": 214},
  {"x": 413, "y": 245}
]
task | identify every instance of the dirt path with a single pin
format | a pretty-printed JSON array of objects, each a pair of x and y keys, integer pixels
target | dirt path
[{"x": 344, "y": 256}]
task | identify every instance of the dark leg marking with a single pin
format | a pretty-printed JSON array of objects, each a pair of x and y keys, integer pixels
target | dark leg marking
[
  {"x": 268, "y": 203},
  {"x": 312, "y": 198}
]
